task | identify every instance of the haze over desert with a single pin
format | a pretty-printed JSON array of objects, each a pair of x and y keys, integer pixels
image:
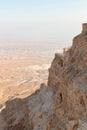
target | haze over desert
[{"x": 23, "y": 69}]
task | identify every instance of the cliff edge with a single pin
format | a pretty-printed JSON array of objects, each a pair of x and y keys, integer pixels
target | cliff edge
[{"x": 62, "y": 105}]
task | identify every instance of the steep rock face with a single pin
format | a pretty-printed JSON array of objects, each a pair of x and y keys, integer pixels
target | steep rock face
[
  {"x": 62, "y": 105},
  {"x": 55, "y": 70},
  {"x": 71, "y": 83}
]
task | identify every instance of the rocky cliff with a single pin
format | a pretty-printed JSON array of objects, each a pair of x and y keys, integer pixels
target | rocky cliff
[{"x": 62, "y": 105}]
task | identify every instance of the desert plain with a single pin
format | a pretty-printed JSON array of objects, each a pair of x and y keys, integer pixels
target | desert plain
[{"x": 22, "y": 70}]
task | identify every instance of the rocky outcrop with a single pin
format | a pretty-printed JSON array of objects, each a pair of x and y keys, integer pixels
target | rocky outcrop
[
  {"x": 62, "y": 105},
  {"x": 70, "y": 84},
  {"x": 30, "y": 113}
]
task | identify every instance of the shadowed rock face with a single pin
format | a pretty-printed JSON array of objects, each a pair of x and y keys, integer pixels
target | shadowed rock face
[{"x": 62, "y": 105}]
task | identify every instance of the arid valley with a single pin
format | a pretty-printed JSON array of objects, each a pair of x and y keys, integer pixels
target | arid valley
[{"x": 22, "y": 70}]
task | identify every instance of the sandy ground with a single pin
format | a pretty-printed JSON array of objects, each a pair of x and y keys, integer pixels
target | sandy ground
[{"x": 21, "y": 75}]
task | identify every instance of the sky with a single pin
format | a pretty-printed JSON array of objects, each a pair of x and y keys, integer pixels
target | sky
[{"x": 42, "y": 20}]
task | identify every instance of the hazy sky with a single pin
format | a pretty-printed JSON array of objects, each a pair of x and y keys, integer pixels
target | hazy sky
[{"x": 41, "y": 20}]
